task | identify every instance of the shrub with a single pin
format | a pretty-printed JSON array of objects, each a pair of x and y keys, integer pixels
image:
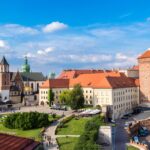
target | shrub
[
  {"x": 88, "y": 139},
  {"x": 26, "y": 120}
]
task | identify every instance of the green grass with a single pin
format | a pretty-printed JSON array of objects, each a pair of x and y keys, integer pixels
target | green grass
[
  {"x": 132, "y": 148},
  {"x": 67, "y": 143},
  {"x": 34, "y": 133},
  {"x": 73, "y": 127}
]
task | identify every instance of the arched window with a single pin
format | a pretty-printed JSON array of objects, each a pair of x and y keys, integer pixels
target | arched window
[{"x": 37, "y": 86}]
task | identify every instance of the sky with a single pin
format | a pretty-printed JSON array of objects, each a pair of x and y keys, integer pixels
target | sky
[{"x": 73, "y": 34}]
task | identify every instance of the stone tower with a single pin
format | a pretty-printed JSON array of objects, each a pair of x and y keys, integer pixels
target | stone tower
[
  {"x": 26, "y": 66},
  {"x": 4, "y": 80},
  {"x": 144, "y": 76}
]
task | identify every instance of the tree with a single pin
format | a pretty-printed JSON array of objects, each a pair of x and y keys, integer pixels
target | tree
[
  {"x": 65, "y": 97},
  {"x": 77, "y": 97},
  {"x": 50, "y": 96}
]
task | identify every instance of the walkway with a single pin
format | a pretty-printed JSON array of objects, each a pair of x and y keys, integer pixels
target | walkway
[{"x": 50, "y": 131}]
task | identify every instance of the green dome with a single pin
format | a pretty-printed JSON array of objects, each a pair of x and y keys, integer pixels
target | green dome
[{"x": 25, "y": 67}]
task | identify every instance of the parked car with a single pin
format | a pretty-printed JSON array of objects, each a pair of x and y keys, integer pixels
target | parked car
[
  {"x": 124, "y": 117},
  {"x": 143, "y": 131},
  {"x": 136, "y": 139},
  {"x": 57, "y": 107}
]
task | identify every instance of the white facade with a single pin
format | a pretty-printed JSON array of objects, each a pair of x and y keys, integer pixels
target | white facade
[
  {"x": 121, "y": 100},
  {"x": 43, "y": 94}
]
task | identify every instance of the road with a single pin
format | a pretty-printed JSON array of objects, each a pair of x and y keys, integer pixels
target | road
[{"x": 121, "y": 136}]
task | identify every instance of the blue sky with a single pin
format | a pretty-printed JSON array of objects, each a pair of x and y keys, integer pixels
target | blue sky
[{"x": 63, "y": 34}]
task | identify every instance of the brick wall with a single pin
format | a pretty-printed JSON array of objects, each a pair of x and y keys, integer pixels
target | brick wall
[{"x": 144, "y": 74}]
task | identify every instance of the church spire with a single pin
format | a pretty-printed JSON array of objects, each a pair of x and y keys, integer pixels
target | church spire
[{"x": 26, "y": 66}]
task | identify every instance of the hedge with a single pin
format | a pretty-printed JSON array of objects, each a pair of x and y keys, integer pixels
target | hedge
[
  {"x": 87, "y": 141},
  {"x": 26, "y": 120}
]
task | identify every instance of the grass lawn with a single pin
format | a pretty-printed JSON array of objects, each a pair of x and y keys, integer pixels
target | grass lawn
[
  {"x": 132, "y": 148},
  {"x": 67, "y": 143},
  {"x": 34, "y": 133},
  {"x": 28, "y": 133},
  {"x": 73, "y": 127}
]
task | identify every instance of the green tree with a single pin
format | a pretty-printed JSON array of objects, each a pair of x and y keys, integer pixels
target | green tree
[
  {"x": 77, "y": 97},
  {"x": 65, "y": 97},
  {"x": 50, "y": 96}
]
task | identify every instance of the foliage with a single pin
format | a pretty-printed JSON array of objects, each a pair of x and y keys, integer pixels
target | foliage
[
  {"x": 77, "y": 97},
  {"x": 74, "y": 98},
  {"x": 66, "y": 143},
  {"x": 65, "y": 120},
  {"x": 98, "y": 107},
  {"x": 65, "y": 96},
  {"x": 50, "y": 96},
  {"x": 25, "y": 120},
  {"x": 88, "y": 139}
]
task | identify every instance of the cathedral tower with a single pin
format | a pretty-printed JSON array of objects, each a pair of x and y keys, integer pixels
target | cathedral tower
[{"x": 4, "y": 79}]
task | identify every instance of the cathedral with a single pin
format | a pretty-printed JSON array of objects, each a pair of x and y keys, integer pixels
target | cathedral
[{"x": 18, "y": 86}]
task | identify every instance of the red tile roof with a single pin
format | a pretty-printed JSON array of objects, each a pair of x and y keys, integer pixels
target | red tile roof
[
  {"x": 103, "y": 80},
  {"x": 55, "y": 83},
  {"x": 146, "y": 54},
  {"x": 68, "y": 74},
  {"x": 11, "y": 142},
  {"x": 135, "y": 67},
  {"x": 109, "y": 79}
]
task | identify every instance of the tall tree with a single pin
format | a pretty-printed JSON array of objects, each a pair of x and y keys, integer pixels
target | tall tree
[
  {"x": 77, "y": 97},
  {"x": 50, "y": 96},
  {"x": 65, "y": 97}
]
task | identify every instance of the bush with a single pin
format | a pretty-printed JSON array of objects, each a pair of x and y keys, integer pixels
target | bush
[
  {"x": 26, "y": 120},
  {"x": 88, "y": 139}
]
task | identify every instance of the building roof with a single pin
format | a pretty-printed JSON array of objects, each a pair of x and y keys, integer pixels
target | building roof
[
  {"x": 146, "y": 54},
  {"x": 4, "y": 61},
  {"x": 103, "y": 80},
  {"x": 32, "y": 76},
  {"x": 68, "y": 74},
  {"x": 110, "y": 80},
  {"x": 55, "y": 83},
  {"x": 135, "y": 67},
  {"x": 12, "y": 142}
]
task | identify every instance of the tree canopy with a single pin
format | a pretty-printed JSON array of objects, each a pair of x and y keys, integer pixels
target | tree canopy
[
  {"x": 74, "y": 98},
  {"x": 50, "y": 96}
]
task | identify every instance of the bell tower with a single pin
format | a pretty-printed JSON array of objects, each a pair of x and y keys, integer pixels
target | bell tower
[{"x": 4, "y": 79}]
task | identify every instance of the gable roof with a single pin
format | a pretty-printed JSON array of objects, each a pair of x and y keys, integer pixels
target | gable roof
[
  {"x": 109, "y": 80},
  {"x": 146, "y": 54},
  {"x": 32, "y": 76},
  {"x": 4, "y": 61},
  {"x": 68, "y": 74},
  {"x": 103, "y": 80},
  {"x": 55, "y": 83}
]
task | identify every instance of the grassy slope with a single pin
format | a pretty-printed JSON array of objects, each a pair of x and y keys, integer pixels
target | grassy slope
[
  {"x": 73, "y": 127},
  {"x": 67, "y": 143}
]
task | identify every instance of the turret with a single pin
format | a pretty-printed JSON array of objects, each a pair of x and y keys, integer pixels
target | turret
[{"x": 26, "y": 66}]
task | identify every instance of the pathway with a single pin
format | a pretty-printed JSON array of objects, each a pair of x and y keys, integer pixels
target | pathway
[{"x": 50, "y": 131}]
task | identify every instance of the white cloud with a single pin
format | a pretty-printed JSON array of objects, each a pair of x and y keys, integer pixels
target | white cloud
[
  {"x": 2, "y": 44},
  {"x": 45, "y": 51},
  {"x": 54, "y": 26}
]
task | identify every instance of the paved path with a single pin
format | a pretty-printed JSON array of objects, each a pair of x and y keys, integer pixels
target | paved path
[{"x": 50, "y": 131}]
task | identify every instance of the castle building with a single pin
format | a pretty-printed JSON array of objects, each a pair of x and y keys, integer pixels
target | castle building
[
  {"x": 4, "y": 80},
  {"x": 144, "y": 75},
  {"x": 105, "y": 88}
]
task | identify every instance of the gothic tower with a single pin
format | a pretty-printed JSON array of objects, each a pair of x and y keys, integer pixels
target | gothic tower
[
  {"x": 4, "y": 79},
  {"x": 26, "y": 66},
  {"x": 144, "y": 76}
]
